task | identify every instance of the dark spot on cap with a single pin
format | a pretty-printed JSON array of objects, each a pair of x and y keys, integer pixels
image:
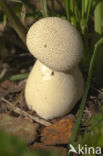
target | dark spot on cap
[
  {"x": 52, "y": 73},
  {"x": 45, "y": 45}
]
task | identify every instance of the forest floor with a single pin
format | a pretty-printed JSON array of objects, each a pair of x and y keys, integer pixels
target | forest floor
[{"x": 38, "y": 133}]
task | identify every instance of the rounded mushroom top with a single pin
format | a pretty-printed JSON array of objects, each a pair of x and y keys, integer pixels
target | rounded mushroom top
[{"x": 55, "y": 43}]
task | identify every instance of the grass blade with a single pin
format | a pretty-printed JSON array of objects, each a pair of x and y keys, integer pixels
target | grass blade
[
  {"x": 44, "y": 11},
  {"x": 98, "y": 18},
  {"x": 83, "y": 8},
  {"x": 19, "y": 28},
  {"x": 86, "y": 5},
  {"x": 89, "y": 9},
  {"x": 72, "y": 11},
  {"x": 67, "y": 9},
  {"x": 82, "y": 105},
  {"x": 77, "y": 14},
  {"x": 18, "y": 77}
]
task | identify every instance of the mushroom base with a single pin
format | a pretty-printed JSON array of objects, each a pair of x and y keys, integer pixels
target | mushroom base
[{"x": 53, "y": 94}]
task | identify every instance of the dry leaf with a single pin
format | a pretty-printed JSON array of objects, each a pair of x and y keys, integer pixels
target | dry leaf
[{"x": 57, "y": 133}]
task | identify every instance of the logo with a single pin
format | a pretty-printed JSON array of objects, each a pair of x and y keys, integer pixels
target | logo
[{"x": 84, "y": 149}]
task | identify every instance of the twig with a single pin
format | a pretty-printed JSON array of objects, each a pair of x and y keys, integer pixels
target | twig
[
  {"x": 23, "y": 14},
  {"x": 19, "y": 28},
  {"x": 14, "y": 104},
  {"x": 25, "y": 114},
  {"x": 3, "y": 72}
]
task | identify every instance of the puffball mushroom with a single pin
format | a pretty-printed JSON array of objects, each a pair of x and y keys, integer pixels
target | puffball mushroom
[
  {"x": 55, "y": 43},
  {"x": 55, "y": 83},
  {"x": 52, "y": 94}
]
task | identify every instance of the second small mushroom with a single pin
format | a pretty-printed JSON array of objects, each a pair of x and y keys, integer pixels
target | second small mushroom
[{"x": 55, "y": 83}]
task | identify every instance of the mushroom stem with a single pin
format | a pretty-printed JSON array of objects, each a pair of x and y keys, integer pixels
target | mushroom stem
[{"x": 53, "y": 94}]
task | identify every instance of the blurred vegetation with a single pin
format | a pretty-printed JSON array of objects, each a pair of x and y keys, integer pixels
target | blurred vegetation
[
  {"x": 85, "y": 15},
  {"x": 93, "y": 135},
  {"x": 12, "y": 146}
]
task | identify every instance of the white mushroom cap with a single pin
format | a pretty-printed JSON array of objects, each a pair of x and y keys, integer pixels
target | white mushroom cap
[
  {"x": 52, "y": 94},
  {"x": 55, "y": 43}
]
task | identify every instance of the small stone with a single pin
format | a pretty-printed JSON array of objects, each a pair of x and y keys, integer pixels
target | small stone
[{"x": 19, "y": 127}]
